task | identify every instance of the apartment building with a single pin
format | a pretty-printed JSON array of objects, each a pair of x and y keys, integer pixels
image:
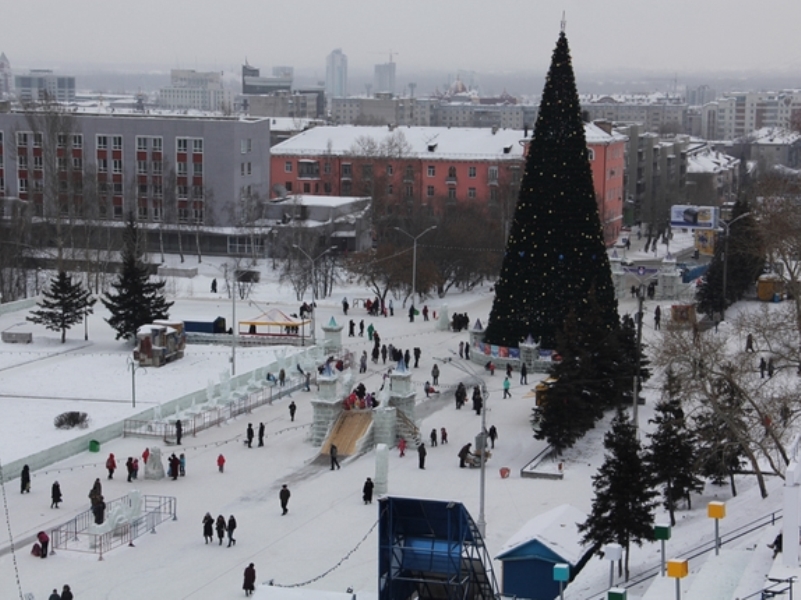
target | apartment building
[
  {"x": 193, "y": 90},
  {"x": 336, "y": 74},
  {"x": 737, "y": 114},
  {"x": 165, "y": 167},
  {"x": 658, "y": 113},
  {"x": 42, "y": 84}
]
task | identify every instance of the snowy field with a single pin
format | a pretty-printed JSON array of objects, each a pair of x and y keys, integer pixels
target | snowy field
[{"x": 327, "y": 526}]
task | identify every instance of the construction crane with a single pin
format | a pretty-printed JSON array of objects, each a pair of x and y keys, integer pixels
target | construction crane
[{"x": 391, "y": 54}]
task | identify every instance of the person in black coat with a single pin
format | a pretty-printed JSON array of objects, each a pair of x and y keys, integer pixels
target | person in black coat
[
  {"x": 55, "y": 495},
  {"x": 230, "y": 528},
  {"x": 261, "y": 435},
  {"x": 421, "y": 455},
  {"x": 25, "y": 480},
  {"x": 179, "y": 431},
  {"x": 250, "y": 435},
  {"x": 283, "y": 495},
  {"x": 250, "y": 580},
  {"x": 66, "y": 593},
  {"x": 367, "y": 491},
  {"x": 219, "y": 525},
  {"x": 208, "y": 528}
]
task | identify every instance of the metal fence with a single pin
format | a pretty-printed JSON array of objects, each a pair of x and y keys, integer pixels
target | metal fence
[{"x": 74, "y": 535}]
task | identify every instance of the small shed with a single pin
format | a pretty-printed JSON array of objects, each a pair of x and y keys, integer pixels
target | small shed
[
  {"x": 529, "y": 556},
  {"x": 157, "y": 344}
]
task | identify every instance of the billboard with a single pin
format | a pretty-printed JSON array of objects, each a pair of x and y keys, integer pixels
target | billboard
[{"x": 693, "y": 217}]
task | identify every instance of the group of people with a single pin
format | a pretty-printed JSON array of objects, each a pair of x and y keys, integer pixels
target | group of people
[
  {"x": 66, "y": 594},
  {"x": 464, "y": 350},
  {"x": 459, "y": 321},
  {"x": 461, "y": 397},
  {"x": 223, "y": 527}
]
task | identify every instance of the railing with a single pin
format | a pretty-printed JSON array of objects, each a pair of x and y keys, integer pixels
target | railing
[{"x": 74, "y": 535}]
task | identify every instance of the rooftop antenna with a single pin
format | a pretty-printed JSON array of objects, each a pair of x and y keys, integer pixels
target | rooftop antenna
[{"x": 563, "y": 24}]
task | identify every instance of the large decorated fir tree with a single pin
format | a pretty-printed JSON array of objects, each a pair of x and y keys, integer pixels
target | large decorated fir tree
[{"x": 555, "y": 253}]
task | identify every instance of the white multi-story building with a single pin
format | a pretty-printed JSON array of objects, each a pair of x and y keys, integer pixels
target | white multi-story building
[
  {"x": 43, "y": 84},
  {"x": 336, "y": 74},
  {"x": 193, "y": 90},
  {"x": 737, "y": 114}
]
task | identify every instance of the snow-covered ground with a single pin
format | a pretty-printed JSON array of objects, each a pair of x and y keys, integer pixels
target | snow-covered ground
[{"x": 328, "y": 525}]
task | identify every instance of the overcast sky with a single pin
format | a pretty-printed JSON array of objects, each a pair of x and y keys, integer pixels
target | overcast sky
[{"x": 447, "y": 35}]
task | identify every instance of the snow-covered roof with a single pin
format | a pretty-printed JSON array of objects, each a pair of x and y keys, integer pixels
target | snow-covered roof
[
  {"x": 596, "y": 135},
  {"x": 710, "y": 161},
  {"x": 327, "y": 201},
  {"x": 775, "y": 136},
  {"x": 555, "y": 529}
]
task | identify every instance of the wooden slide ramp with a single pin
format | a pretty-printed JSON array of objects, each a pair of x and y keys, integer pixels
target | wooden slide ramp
[{"x": 347, "y": 431}]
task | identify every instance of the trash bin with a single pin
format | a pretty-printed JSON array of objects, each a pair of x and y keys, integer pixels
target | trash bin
[
  {"x": 505, "y": 472},
  {"x": 94, "y": 446}
]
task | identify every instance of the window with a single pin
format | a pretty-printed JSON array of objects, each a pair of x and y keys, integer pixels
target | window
[
  {"x": 197, "y": 168},
  {"x": 409, "y": 174},
  {"x": 77, "y": 141},
  {"x": 142, "y": 189},
  {"x": 102, "y": 210},
  {"x": 590, "y": 154},
  {"x": 327, "y": 187},
  {"x": 77, "y": 163},
  {"x": 38, "y": 163},
  {"x": 308, "y": 169},
  {"x": 451, "y": 193},
  {"x": 102, "y": 165},
  {"x": 118, "y": 211},
  {"x": 143, "y": 212},
  {"x": 141, "y": 143},
  {"x": 37, "y": 140},
  {"x": 62, "y": 163},
  {"x": 288, "y": 186},
  {"x": 347, "y": 170},
  {"x": 327, "y": 168},
  {"x": 116, "y": 166},
  {"x": 116, "y": 142},
  {"x": 306, "y": 188},
  {"x": 197, "y": 192},
  {"x": 102, "y": 188},
  {"x": 22, "y": 139},
  {"x": 38, "y": 185},
  {"x": 22, "y": 184},
  {"x": 346, "y": 188},
  {"x": 141, "y": 167},
  {"x": 197, "y": 146},
  {"x": 156, "y": 165},
  {"x": 408, "y": 191},
  {"x": 158, "y": 191},
  {"x": 183, "y": 191},
  {"x": 432, "y": 170},
  {"x": 22, "y": 161},
  {"x": 390, "y": 189},
  {"x": 390, "y": 170},
  {"x": 183, "y": 145},
  {"x": 367, "y": 172},
  {"x": 250, "y": 169},
  {"x": 117, "y": 189},
  {"x": 471, "y": 193},
  {"x": 181, "y": 168},
  {"x": 156, "y": 143},
  {"x": 245, "y": 146},
  {"x": 156, "y": 211},
  {"x": 61, "y": 140},
  {"x": 102, "y": 142},
  {"x": 492, "y": 173},
  {"x": 2, "y": 184},
  {"x": 242, "y": 170},
  {"x": 197, "y": 215},
  {"x": 493, "y": 194},
  {"x": 288, "y": 166},
  {"x": 430, "y": 191},
  {"x": 451, "y": 172}
]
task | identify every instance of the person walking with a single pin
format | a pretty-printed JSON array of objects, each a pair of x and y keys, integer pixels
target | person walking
[
  {"x": 493, "y": 435},
  {"x": 54, "y": 595},
  {"x": 249, "y": 584},
  {"x": 402, "y": 447},
  {"x": 433, "y": 437},
  {"x": 421, "y": 455},
  {"x": 282, "y": 378},
  {"x": 367, "y": 491},
  {"x": 391, "y": 308},
  {"x": 749, "y": 343},
  {"x": 770, "y": 367},
  {"x": 230, "y": 528},
  {"x": 214, "y": 286},
  {"x": 308, "y": 381},
  {"x": 361, "y": 328},
  {"x": 443, "y": 436},
  {"x": 363, "y": 362},
  {"x": 44, "y": 542},
  {"x": 351, "y": 328},
  {"x": 657, "y": 318},
  {"x": 345, "y": 305},
  {"x": 412, "y": 310},
  {"x": 384, "y": 353},
  {"x": 463, "y": 454},
  {"x": 425, "y": 312},
  {"x": 523, "y": 374},
  {"x": 292, "y": 408},
  {"x": 220, "y": 526},
  {"x": 417, "y": 353},
  {"x": 249, "y": 435},
  {"x": 135, "y": 468},
  {"x": 261, "y": 435},
  {"x": 182, "y": 464},
  {"x": 283, "y": 496},
  {"x": 461, "y": 349},
  {"x": 111, "y": 465},
  {"x": 208, "y": 528},
  {"x": 175, "y": 466},
  {"x": 509, "y": 370},
  {"x": 370, "y": 331},
  {"x": 179, "y": 431},
  {"x": 221, "y": 463},
  {"x": 55, "y": 495},
  {"x": 334, "y": 453},
  {"x": 763, "y": 366},
  {"x": 129, "y": 468},
  {"x": 25, "y": 480},
  {"x": 435, "y": 374},
  {"x": 66, "y": 593},
  {"x": 506, "y": 385}
]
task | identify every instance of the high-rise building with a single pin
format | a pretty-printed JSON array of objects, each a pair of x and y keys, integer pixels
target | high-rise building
[
  {"x": 336, "y": 74},
  {"x": 253, "y": 83},
  {"x": 42, "y": 84},
  {"x": 384, "y": 78},
  {"x": 5, "y": 75},
  {"x": 190, "y": 89}
]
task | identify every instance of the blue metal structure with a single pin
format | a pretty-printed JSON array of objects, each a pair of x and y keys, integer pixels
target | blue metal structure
[{"x": 431, "y": 549}]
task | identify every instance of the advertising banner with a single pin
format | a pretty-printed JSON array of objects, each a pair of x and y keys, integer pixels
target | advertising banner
[{"x": 693, "y": 217}]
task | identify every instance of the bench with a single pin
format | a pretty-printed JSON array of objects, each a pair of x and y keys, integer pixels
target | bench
[{"x": 17, "y": 337}]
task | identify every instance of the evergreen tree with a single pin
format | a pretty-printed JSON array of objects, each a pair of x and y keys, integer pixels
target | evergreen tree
[
  {"x": 623, "y": 507},
  {"x": 720, "y": 454},
  {"x": 555, "y": 252},
  {"x": 670, "y": 456},
  {"x": 136, "y": 300},
  {"x": 745, "y": 263},
  {"x": 628, "y": 344},
  {"x": 63, "y": 305}
]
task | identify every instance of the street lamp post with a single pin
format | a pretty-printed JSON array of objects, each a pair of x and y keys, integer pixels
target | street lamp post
[
  {"x": 313, "y": 278},
  {"x": 134, "y": 368},
  {"x": 727, "y": 225},
  {"x": 481, "y": 523},
  {"x": 414, "y": 255}
]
